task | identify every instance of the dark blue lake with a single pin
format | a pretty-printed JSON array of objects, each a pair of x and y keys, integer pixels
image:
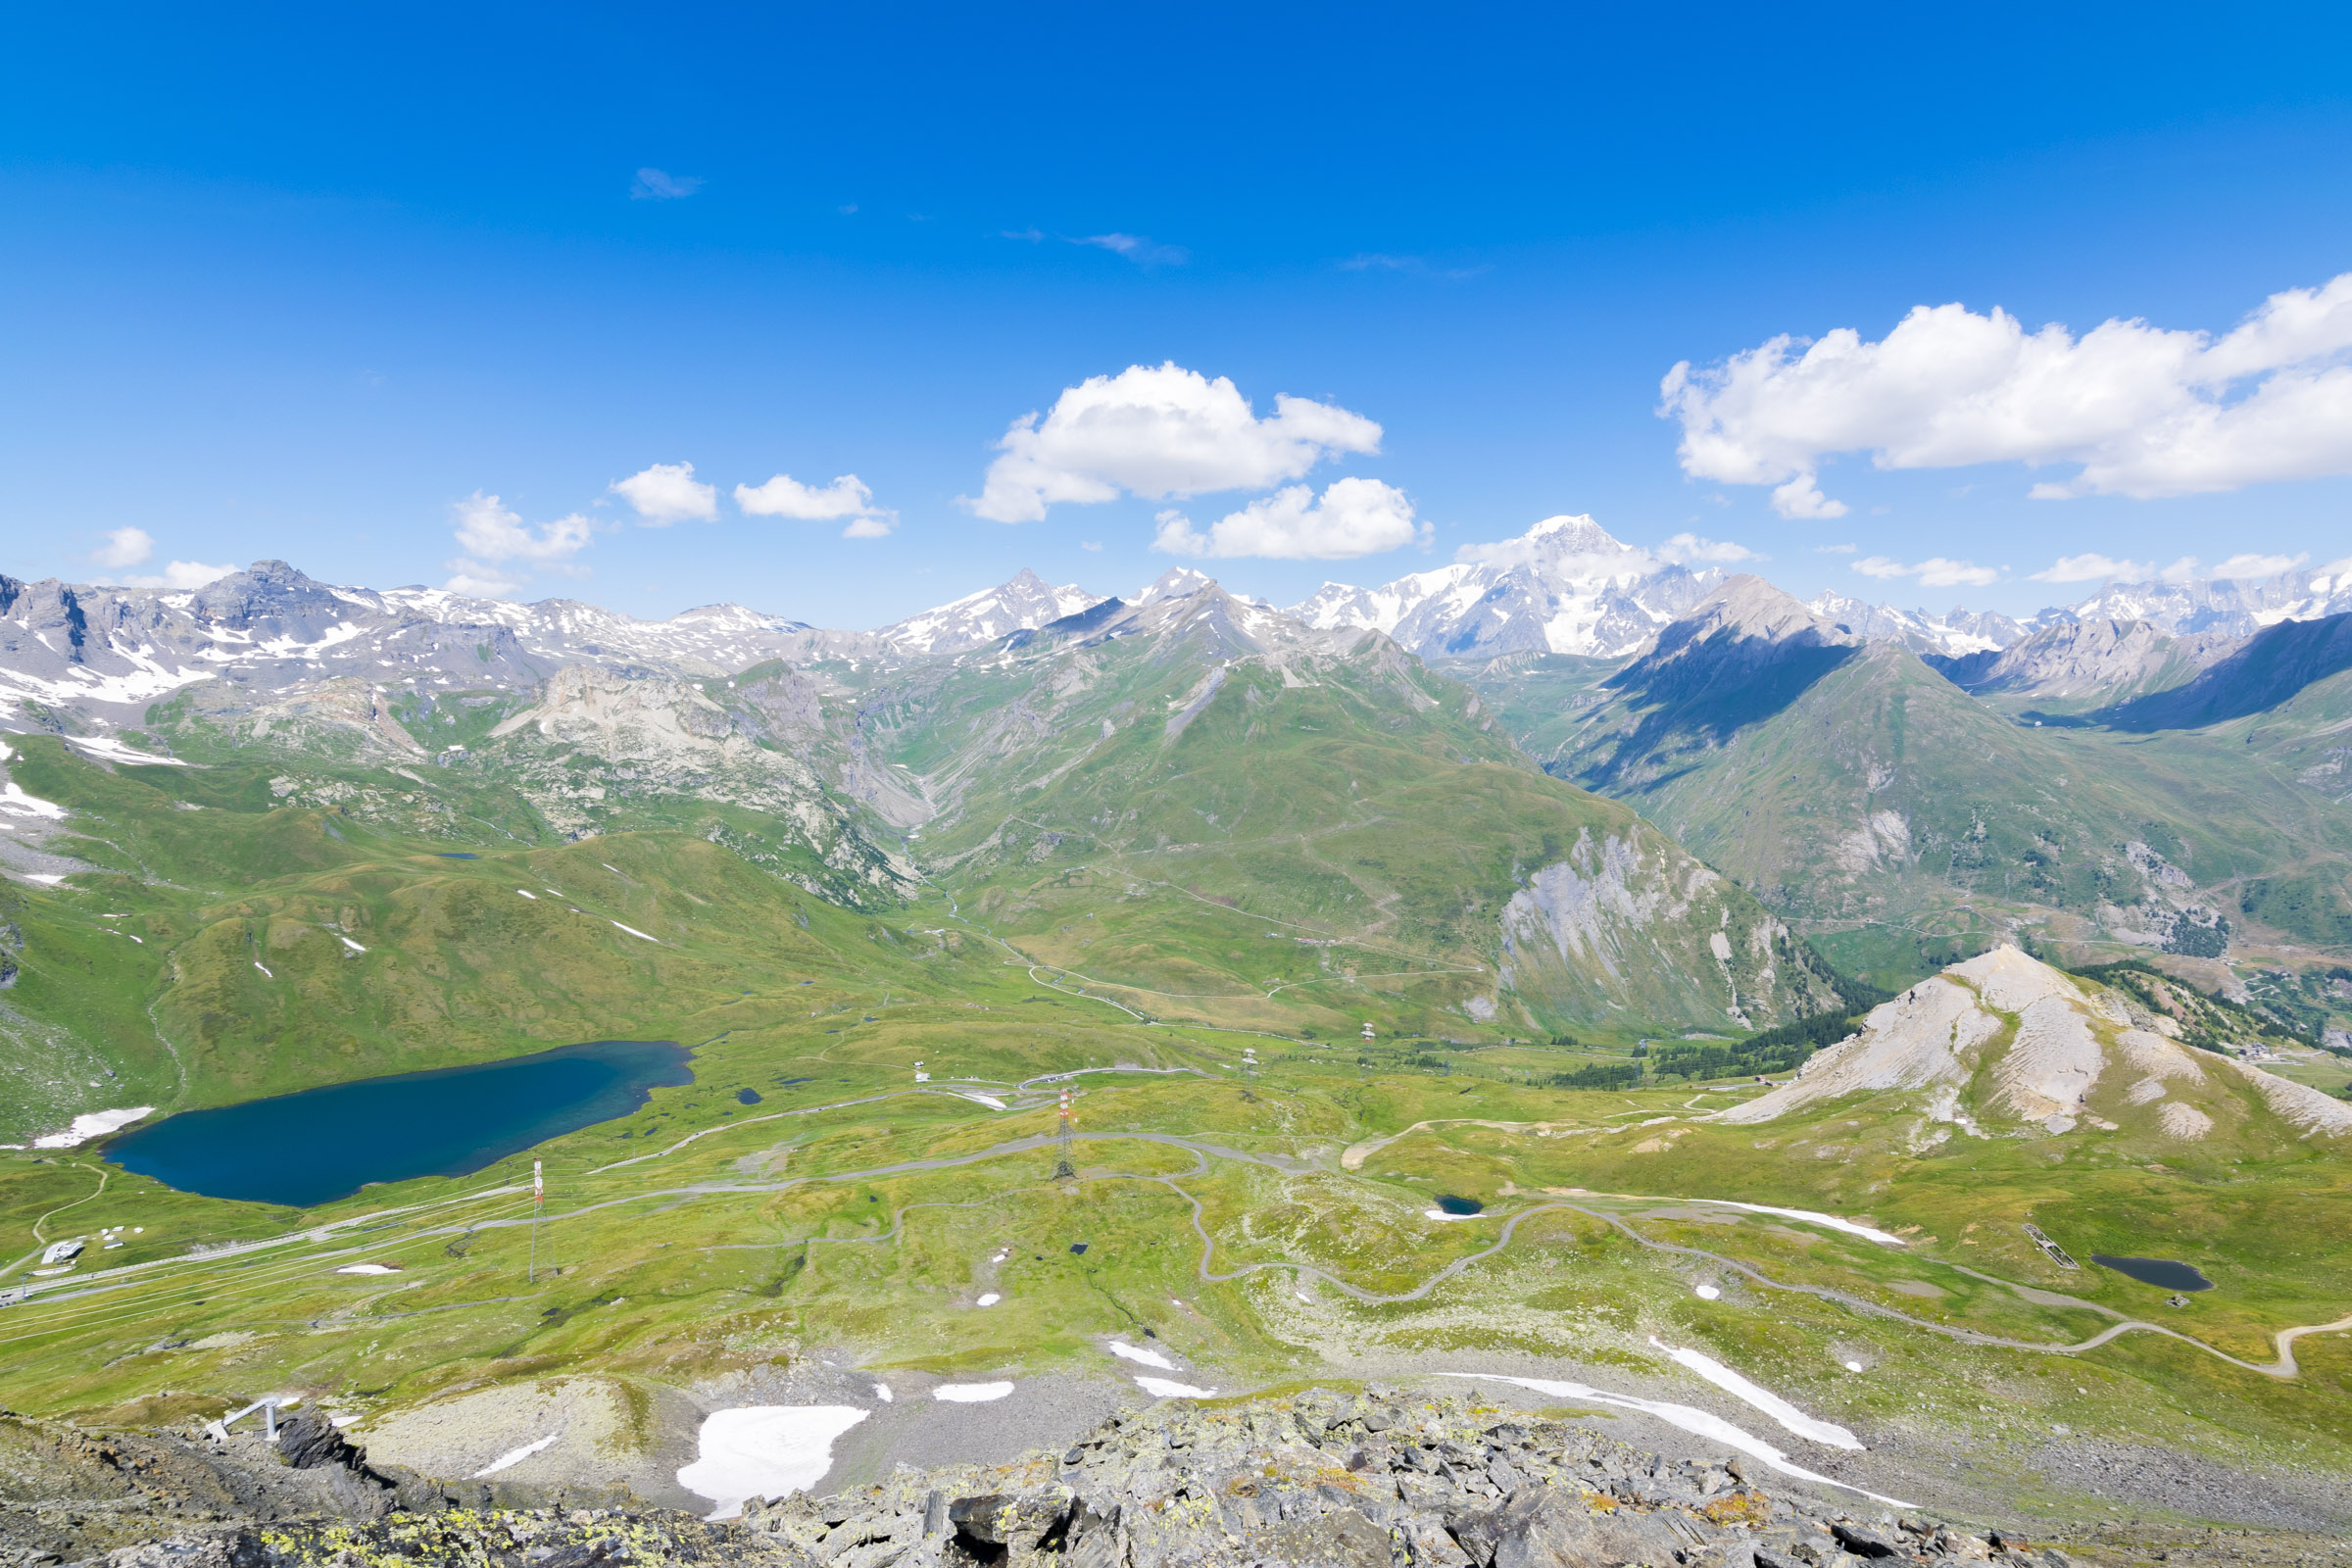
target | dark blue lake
[
  {"x": 2162, "y": 1272},
  {"x": 1459, "y": 1206},
  {"x": 326, "y": 1144}
]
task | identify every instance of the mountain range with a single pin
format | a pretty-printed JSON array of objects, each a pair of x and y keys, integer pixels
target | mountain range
[{"x": 1568, "y": 786}]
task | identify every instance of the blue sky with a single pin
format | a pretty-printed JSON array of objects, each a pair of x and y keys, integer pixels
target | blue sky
[{"x": 299, "y": 284}]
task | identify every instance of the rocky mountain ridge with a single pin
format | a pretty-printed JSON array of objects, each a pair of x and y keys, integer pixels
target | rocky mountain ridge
[{"x": 1384, "y": 1479}]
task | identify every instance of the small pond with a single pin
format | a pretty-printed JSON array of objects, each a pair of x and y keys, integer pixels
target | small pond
[
  {"x": 2161, "y": 1272},
  {"x": 1459, "y": 1206},
  {"x": 326, "y": 1144}
]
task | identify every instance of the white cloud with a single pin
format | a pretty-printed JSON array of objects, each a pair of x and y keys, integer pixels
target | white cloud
[
  {"x": 2253, "y": 565},
  {"x": 1136, "y": 248},
  {"x": 478, "y": 581},
  {"x": 1685, "y": 547},
  {"x": 125, "y": 547},
  {"x": 178, "y": 576},
  {"x": 786, "y": 497},
  {"x": 1833, "y": 550},
  {"x": 653, "y": 185},
  {"x": 1161, "y": 433},
  {"x": 1937, "y": 572},
  {"x": 1802, "y": 497},
  {"x": 2095, "y": 568},
  {"x": 1353, "y": 518},
  {"x": 667, "y": 493},
  {"x": 492, "y": 534},
  {"x": 846, "y": 497},
  {"x": 1090, "y": 544},
  {"x": 2145, "y": 410}
]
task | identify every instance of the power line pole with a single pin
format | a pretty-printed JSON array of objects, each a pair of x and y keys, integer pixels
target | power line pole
[
  {"x": 538, "y": 1198},
  {"x": 1064, "y": 1169}
]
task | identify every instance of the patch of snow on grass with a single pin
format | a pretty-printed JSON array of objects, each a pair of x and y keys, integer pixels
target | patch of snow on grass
[
  {"x": 264, "y": 969},
  {"x": 374, "y": 1268},
  {"x": 1708, "y": 1292},
  {"x": 1831, "y": 1220},
  {"x": 512, "y": 1456},
  {"x": 991, "y": 1298},
  {"x": 1168, "y": 1389},
  {"x": 633, "y": 931},
  {"x": 352, "y": 945},
  {"x": 93, "y": 1124},
  {"x": 114, "y": 751},
  {"x": 14, "y": 801},
  {"x": 764, "y": 1451},
  {"x": 528, "y": 894},
  {"x": 882, "y": 1393},
  {"x": 1131, "y": 1353},
  {"x": 1763, "y": 1398},
  {"x": 1700, "y": 1423},
  {"x": 972, "y": 1393}
]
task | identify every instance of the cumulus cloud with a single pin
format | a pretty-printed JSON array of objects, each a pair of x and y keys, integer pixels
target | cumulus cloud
[
  {"x": 494, "y": 537},
  {"x": 654, "y": 186},
  {"x": 125, "y": 547},
  {"x": 1136, "y": 248},
  {"x": 846, "y": 497},
  {"x": 1801, "y": 498},
  {"x": 1352, "y": 517},
  {"x": 2142, "y": 411},
  {"x": 178, "y": 576},
  {"x": 1937, "y": 572},
  {"x": 1685, "y": 548},
  {"x": 1162, "y": 434},
  {"x": 667, "y": 493},
  {"x": 786, "y": 497},
  {"x": 2240, "y": 567},
  {"x": 2095, "y": 568}
]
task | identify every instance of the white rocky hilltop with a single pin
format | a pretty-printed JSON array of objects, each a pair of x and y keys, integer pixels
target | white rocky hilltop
[{"x": 2005, "y": 1043}]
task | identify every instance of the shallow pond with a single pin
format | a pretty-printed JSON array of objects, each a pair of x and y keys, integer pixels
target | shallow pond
[
  {"x": 326, "y": 1144},
  {"x": 1459, "y": 1206},
  {"x": 2161, "y": 1272}
]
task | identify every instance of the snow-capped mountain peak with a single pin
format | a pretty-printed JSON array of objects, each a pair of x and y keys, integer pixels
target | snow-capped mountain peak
[
  {"x": 1565, "y": 586},
  {"x": 975, "y": 620},
  {"x": 1177, "y": 582}
]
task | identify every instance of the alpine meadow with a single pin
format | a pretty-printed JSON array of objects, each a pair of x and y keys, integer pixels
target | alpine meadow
[{"x": 1104, "y": 788}]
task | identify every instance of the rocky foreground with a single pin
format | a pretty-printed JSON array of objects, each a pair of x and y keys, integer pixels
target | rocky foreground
[{"x": 1318, "y": 1480}]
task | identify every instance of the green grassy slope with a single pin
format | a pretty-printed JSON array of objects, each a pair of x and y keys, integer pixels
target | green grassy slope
[
  {"x": 1201, "y": 824},
  {"x": 1900, "y": 823},
  {"x": 739, "y": 1238}
]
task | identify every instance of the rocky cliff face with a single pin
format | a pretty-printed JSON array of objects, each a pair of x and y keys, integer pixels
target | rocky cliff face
[{"x": 1383, "y": 1480}]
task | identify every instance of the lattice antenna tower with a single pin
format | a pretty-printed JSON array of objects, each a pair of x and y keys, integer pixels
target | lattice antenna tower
[{"x": 1064, "y": 1169}]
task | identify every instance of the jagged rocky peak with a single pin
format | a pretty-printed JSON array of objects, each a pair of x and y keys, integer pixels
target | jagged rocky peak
[
  {"x": 1747, "y": 621},
  {"x": 2085, "y": 658},
  {"x": 1177, "y": 582},
  {"x": 270, "y": 595},
  {"x": 1956, "y": 633},
  {"x": 1024, "y": 603},
  {"x": 1750, "y": 607}
]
